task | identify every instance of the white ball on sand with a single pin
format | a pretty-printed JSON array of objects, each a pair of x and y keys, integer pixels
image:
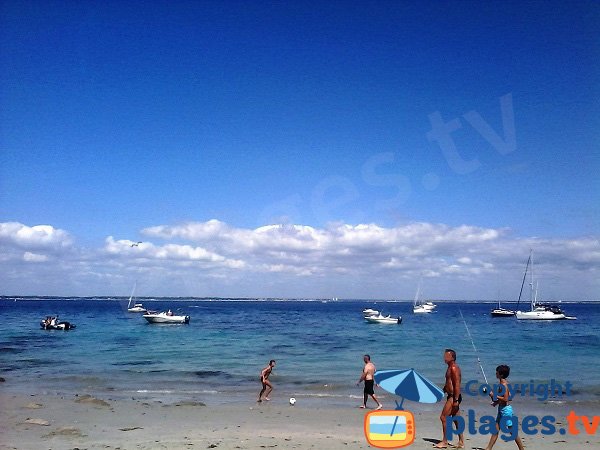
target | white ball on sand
[{"x": 292, "y": 401}]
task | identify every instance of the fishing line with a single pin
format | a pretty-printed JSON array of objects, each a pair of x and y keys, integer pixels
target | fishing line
[{"x": 474, "y": 348}]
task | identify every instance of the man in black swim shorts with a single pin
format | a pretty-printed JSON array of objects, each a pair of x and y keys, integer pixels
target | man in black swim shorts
[
  {"x": 367, "y": 376},
  {"x": 452, "y": 389}
]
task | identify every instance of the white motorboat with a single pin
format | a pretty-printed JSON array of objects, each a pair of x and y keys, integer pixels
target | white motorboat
[
  {"x": 539, "y": 311},
  {"x": 370, "y": 312},
  {"x": 380, "y": 318},
  {"x": 136, "y": 307},
  {"x": 165, "y": 317}
]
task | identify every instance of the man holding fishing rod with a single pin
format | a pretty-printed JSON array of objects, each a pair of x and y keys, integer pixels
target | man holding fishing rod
[{"x": 452, "y": 389}]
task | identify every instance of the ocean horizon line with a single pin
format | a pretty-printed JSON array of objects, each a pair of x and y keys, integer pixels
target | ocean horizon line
[{"x": 267, "y": 299}]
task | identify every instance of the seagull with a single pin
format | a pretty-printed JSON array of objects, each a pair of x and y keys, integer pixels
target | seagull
[{"x": 135, "y": 244}]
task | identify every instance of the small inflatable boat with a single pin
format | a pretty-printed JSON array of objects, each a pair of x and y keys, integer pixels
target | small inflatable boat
[{"x": 55, "y": 324}]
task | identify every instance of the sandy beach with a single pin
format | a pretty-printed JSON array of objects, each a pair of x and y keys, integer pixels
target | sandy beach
[{"x": 84, "y": 422}]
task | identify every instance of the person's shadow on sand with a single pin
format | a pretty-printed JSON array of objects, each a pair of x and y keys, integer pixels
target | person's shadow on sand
[{"x": 435, "y": 442}]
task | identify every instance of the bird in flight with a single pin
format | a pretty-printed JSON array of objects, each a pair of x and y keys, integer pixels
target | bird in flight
[{"x": 135, "y": 244}]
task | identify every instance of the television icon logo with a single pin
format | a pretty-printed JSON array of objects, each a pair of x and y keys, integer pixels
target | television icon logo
[{"x": 389, "y": 429}]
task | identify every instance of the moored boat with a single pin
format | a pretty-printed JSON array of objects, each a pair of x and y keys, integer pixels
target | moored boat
[
  {"x": 419, "y": 306},
  {"x": 380, "y": 318},
  {"x": 137, "y": 307},
  {"x": 52, "y": 323},
  {"x": 501, "y": 312},
  {"x": 539, "y": 311},
  {"x": 165, "y": 317}
]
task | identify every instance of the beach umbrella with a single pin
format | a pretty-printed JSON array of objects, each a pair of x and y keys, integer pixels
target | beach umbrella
[{"x": 408, "y": 384}]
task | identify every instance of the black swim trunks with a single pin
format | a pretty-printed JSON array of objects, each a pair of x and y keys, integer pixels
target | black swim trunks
[
  {"x": 459, "y": 398},
  {"x": 369, "y": 387}
]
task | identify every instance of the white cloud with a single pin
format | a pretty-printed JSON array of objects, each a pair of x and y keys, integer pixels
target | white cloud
[
  {"x": 372, "y": 252},
  {"x": 41, "y": 237},
  {"x": 171, "y": 252},
  {"x": 342, "y": 260},
  {"x": 34, "y": 257}
]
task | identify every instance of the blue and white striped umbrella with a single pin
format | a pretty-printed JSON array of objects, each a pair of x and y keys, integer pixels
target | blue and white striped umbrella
[{"x": 408, "y": 384}]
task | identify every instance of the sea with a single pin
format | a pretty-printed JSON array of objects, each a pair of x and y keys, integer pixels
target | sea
[{"x": 318, "y": 346}]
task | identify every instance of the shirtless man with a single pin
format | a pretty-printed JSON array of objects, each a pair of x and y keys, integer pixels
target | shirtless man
[
  {"x": 266, "y": 384},
  {"x": 452, "y": 389},
  {"x": 367, "y": 376}
]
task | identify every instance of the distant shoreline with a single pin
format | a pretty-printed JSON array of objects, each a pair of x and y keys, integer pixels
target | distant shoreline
[{"x": 271, "y": 299}]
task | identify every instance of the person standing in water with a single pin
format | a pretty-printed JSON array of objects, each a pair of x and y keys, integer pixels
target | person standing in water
[
  {"x": 367, "y": 376},
  {"x": 267, "y": 387}
]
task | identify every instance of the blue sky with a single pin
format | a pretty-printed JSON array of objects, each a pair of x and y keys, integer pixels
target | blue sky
[{"x": 121, "y": 117}]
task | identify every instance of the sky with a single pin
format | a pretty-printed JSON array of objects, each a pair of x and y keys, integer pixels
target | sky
[{"x": 299, "y": 149}]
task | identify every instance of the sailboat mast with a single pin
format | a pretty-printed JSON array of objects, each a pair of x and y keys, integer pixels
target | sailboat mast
[
  {"x": 131, "y": 296},
  {"x": 524, "y": 277},
  {"x": 418, "y": 293},
  {"x": 531, "y": 294}
]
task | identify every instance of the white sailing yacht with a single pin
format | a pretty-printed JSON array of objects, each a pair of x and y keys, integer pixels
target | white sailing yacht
[
  {"x": 538, "y": 311},
  {"x": 420, "y": 307},
  {"x": 137, "y": 307}
]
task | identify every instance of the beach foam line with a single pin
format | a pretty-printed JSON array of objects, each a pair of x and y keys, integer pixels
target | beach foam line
[
  {"x": 327, "y": 395},
  {"x": 168, "y": 391}
]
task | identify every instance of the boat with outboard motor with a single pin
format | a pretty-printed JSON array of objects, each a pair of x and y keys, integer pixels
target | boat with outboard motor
[
  {"x": 52, "y": 323},
  {"x": 165, "y": 317},
  {"x": 380, "y": 318}
]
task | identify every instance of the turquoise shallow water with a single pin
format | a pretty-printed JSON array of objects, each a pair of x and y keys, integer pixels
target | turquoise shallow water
[{"x": 318, "y": 346}]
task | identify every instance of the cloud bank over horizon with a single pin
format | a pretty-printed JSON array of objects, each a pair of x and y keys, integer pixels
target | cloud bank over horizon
[{"x": 365, "y": 261}]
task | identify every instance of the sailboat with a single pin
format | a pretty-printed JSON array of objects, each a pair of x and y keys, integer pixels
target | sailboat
[
  {"x": 420, "y": 307},
  {"x": 137, "y": 307},
  {"x": 502, "y": 312},
  {"x": 538, "y": 311}
]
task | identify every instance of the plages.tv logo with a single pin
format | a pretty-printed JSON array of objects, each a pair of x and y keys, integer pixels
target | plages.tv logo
[
  {"x": 389, "y": 429},
  {"x": 396, "y": 428}
]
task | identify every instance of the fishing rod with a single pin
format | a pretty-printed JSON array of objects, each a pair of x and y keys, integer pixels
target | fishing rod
[{"x": 474, "y": 348}]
